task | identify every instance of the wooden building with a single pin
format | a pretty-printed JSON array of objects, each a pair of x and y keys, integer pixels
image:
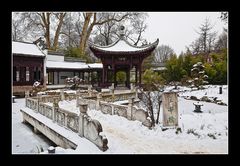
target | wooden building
[
  {"x": 33, "y": 62},
  {"x": 59, "y": 68},
  {"x": 27, "y": 66},
  {"x": 121, "y": 56}
]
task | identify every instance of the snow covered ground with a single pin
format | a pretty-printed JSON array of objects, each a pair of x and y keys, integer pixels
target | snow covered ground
[
  {"x": 205, "y": 132},
  {"x": 24, "y": 140}
]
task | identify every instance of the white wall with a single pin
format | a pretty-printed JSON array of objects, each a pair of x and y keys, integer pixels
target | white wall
[
  {"x": 62, "y": 74},
  {"x": 57, "y": 58}
]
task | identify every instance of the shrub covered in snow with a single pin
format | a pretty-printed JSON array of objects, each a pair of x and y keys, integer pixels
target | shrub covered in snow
[
  {"x": 198, "y": 76},
  {"x": 73, "y": 82},
  {"x": 36, "y": 88}
]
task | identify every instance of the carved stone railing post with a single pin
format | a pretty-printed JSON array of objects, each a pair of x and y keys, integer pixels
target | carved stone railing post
[
  {"x": 130, "y": 108},
  {"x": 26, "y": 96},
  {"x": 132, "y": 87},
  {"x": 99, "y": 98},
  {"x": 77, "y": 98},
  {"x": 65, "y": 119},
  {"x": 136, "y": 93},
  {"x": 112, "y": 109},
  {"x": 89, "y": 90},
  {"x": 39, "y": 99},
  {"x": 83, "y": 112},
  {"x": 62, "y": 97},
  {"x": 112, "y": 92},
  {"x": 55, "y": 107},
  {"x": 112, "y": 89}
]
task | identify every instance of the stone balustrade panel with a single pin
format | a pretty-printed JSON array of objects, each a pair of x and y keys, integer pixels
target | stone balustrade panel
[
  {"x": 93, "y": 132},
  {"x": 45, "y": 110},
  {"x": 72, "y": 122},
  {"x": 60, "y": 117},
  {"x": 32, "y": 104},
  {"x": 106, "y": 108},
  {"x": 91, "y": 104},
  {"x": 139, "y": 114},
  {"x": 120, "y": 110}
]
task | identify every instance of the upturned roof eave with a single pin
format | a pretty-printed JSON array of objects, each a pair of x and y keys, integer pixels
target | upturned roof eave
[{"x": 94, "y": 48}]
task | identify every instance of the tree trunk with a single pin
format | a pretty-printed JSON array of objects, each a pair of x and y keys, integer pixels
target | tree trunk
[
  {"x": 84, "y": 34},
  {"x": 86, "y": 31},
  {"x": 57, "y": 33},
  {"x": 151, "y": 109},
  {"x": 46, "y": 22},
  {"x": 158, "y": 113}
]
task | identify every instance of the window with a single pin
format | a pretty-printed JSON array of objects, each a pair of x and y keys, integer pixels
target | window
[
  {"x": 17, "y": 76},
  {"x": 50, "y": 78},
  {"x": 27, "y": 73},
  {"x": 37, "y": 73},
  {"x": 22, "y": 74}
]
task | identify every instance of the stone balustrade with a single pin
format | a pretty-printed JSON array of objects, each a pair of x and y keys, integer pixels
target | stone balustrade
[
  {"x": 130, "y": 112},
  {"x": 45, "y": 110},
  {"x": 82, "y": 123},
  {"x": 32, "y": 104}
]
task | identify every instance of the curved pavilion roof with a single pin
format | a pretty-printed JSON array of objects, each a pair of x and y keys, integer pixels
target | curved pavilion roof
[{"x": 122, "y": 47}]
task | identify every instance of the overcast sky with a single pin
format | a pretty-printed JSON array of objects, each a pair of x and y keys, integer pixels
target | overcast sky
[{"x": 178, "y": 29}]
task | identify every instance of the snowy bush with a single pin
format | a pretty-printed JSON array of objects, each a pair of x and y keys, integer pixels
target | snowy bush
[
  {"x": 73, "y": 82},
  {"x": 36, "y": 88},
  {"x": 198, "y": 76},
  {"x": 178, "y": 130}
]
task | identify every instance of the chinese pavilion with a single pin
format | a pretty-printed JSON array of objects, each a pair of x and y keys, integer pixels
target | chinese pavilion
[{"x": 122, "y": 56}]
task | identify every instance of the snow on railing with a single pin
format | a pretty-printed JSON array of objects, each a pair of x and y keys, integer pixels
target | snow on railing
[
  {"x": 32, "y": 104},
  {"x": 130, "y": 112},
  {"x": 82, "y": 123}
]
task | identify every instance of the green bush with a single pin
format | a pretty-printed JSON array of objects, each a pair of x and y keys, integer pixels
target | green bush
[
  {"x": 151, "y": 78},
  {"x": 121, "y": 76}
]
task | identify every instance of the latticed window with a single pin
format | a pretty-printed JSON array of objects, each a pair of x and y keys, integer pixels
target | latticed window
[
  {"x": 37, "y": 73},
  {"x": 17, "y": 74},
  {"x": 27, "y": 74}
]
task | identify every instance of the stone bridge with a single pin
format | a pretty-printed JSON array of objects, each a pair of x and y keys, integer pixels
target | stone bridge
[{"x": 57, "y": 124}]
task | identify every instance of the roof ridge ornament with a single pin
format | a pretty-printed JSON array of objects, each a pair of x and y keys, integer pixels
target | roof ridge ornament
[{"x": 40, "y": 42}]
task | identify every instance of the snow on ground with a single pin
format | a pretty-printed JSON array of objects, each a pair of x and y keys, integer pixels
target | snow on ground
[
  {"x": 24, "y": 140},
  {"x": 205, "y": 132},
  {"x": 211, "y": 91}
]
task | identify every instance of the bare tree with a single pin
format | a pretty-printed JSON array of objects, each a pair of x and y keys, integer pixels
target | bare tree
[
  {"x": 138, "y": 27},
  {"x": 152, "y": 100},
  {"x": 224, "y": 17},
  {"x": 71, "y": 29},
  {"x": 163, "y": 53},
  {"x": 107, "y": 33},
  {"x": 135, "y": 26},
  {"x": 205, "y": 43},
  {"x": 60, "y": 19},
  {"x": 16, "y": 29},
  {"x": 222, "y": 41},
  {"x": 92, "y": 19},
  {"x": 40, "y": 22}
]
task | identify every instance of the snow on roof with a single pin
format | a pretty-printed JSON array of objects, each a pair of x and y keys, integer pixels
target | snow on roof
[
  {"x": 66, "y": 65},
  {"x": 123, "y": 45},
  {"x": 95, "y": 65},
  {"x": 26, "y": 49},
  {"x": 72, "y": 65}
]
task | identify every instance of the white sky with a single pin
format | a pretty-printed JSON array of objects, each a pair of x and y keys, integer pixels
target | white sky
[{"x": 178, "y": 29}]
